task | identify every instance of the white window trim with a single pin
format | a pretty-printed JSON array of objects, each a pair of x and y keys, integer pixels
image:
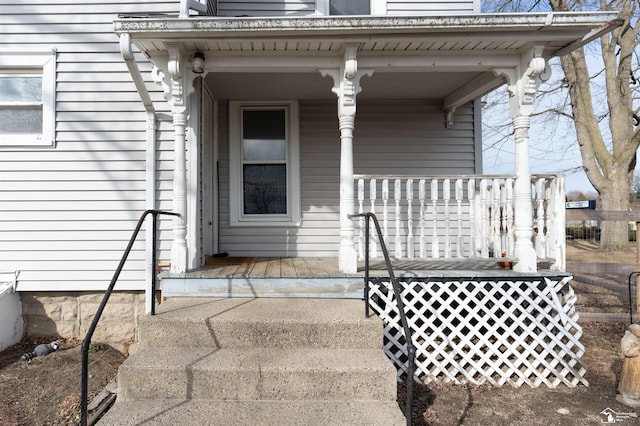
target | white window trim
[
  {"x": 293, "y": 216},
  {"x": 378, "y": 7},
  {"x": 46, "y": 63}
]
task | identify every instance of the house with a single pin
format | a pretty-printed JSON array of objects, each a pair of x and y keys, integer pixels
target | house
[{"x": 266, "y": 125}]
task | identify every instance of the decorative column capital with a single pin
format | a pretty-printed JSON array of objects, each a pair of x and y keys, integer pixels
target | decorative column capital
[
  {"x": 523, "y": 80},
  {"x": 175, "y": 77},
  {"x": 346, "y": 80}
]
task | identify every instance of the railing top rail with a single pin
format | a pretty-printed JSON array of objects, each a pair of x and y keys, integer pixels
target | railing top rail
[{"x": 490, "y": 176}]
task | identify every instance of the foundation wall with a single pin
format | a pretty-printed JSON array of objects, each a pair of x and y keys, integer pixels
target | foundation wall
[{"x": 68, "y": 315}]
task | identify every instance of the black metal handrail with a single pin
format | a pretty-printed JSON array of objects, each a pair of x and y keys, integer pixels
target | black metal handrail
[
  {"x": 411, "y": 350},
  {"x": 87, "y": 340}
]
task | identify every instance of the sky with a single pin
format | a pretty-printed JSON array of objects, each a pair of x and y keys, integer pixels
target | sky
[{"x": 553, "y": 146}]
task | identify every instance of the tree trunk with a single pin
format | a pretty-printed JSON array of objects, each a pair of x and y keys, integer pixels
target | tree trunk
[
  {"x": 608, "y": 158},
  {"x": 615, "y": 234}
]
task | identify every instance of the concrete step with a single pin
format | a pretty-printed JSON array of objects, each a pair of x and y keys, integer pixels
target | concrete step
[
  {"x": 253, "y": 413},
  {"x": 257, "y": 374},
  {"x": 264, "y": 361},
  {"x": 261, "y": 322}
]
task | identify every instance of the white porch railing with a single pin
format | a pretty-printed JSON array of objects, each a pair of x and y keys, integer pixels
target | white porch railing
[{"x": 457, "y": 217}]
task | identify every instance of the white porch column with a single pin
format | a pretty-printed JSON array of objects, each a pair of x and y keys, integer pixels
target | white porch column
[
  {"x": 523, "y": 212},
  {"x": 346, "y": 82},
  {"x": 523, "y": 84},
  {"x": 177, "y": 100}
]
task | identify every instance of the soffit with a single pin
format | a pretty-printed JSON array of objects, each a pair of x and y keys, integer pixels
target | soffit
[{"x": 478, "y": 33}]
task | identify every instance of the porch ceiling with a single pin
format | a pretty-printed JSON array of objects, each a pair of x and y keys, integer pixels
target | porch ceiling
[
  {"x": 445, "y": 57},
  {"x": 268, "y": 86},
  {"x": 501, "y": 33}
]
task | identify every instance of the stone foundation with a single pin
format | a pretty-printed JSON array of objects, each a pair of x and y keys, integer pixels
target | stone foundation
[{"x": 68, "y": 315}]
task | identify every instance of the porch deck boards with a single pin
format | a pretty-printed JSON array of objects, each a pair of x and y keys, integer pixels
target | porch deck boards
[{"x": 327, "y": 267}]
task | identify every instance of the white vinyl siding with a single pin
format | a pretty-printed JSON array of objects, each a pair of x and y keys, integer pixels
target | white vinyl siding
[
  {"x": 441, "y": 7},
  {"x": 66, "y": 214},
  {"x": 386, "y": 132},
  {"x": 321, "y": 7},
  {"x": 266, "y": 7}
]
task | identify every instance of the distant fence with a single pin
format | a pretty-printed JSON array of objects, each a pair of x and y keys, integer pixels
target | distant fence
[
  {"x": 609, "y": 276},
  {"x": 585, "y": 224}
]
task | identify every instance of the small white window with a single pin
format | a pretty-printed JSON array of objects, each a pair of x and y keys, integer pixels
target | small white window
[
  {"x": 264, "y": 164},
  {"x": 351, "y": 7},
  {"x": 27, "y": 98}
]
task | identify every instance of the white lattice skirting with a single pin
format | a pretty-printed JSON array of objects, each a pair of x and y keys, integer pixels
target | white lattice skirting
[{"x": 500, "y": 331}]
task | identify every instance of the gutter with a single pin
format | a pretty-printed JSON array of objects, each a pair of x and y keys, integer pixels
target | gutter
[
  {"x": 170, "y": 27},
  {"x": 588, "y": 38},
  {"x": 150, "y": 160}
]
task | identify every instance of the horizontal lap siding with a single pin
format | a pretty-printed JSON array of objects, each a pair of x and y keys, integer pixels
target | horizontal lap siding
[
  {"x": 266, "y": 8},
  {"x": 67, "y": 212},
  {"x": 441, "y": 7},
  {"x": 308, "y": 7},
  {"x": 390, "y": 137}
]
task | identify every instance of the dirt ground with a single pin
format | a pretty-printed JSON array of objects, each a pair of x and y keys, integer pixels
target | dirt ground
[
  {"x": 46, "y": 391},
  {"x": 488, "y": 405}
]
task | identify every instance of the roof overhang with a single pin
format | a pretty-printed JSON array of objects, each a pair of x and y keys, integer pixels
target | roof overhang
[{"x": 469, "y": 45}]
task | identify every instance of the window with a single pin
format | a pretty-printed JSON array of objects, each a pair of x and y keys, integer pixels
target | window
[
  {"x": 265, "y": 188},
  {"x": 349, "y": 7},
  {"x": 27, "y": 99}
]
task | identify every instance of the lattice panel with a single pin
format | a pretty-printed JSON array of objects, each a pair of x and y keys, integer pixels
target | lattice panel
[{"x": 508, "y": 331}]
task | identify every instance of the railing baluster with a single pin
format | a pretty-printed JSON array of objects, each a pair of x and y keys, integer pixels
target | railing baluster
[
  {"x": 459, "y": 195},
  {"x": 373, "y": 247},
  {"x": 495, "y": 225},
  {"x": 483, "y": 209},
  {"x": 548, "y": 220},
  {"x": 497, "y": 219},
  {"x": 509, "y": 215},
  {"x": 423, "y": 238},
  {"x": 446, "y": 197},
  {"x": 473, "y": 220},
  {"x": 361, "y": 220},
  {"x": 397, "y": 195},
  {"x": 503, "y": 220},
  {"x": 385, "y": 210},
  {"x": 484, "y": 219},
  {"x": 435, "y": 243},
  {"x": 540, "y": 238},
  {"x": 559, "y": 217},
  {"x": 410, "y": 240}
]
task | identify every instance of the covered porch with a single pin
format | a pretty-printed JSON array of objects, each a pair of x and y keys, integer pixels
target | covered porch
[{"x": 431, "y": 66}]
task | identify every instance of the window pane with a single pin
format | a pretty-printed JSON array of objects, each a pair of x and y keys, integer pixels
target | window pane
[
  {"x": 264, "y": 150},
  {"x": 265, "y": 188},
  {"x": 23, "y": 120},
  {"x": 263, "y": 124},
  {"x": 20, "y": 89},
  {"x": 349, "y": 7}
]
